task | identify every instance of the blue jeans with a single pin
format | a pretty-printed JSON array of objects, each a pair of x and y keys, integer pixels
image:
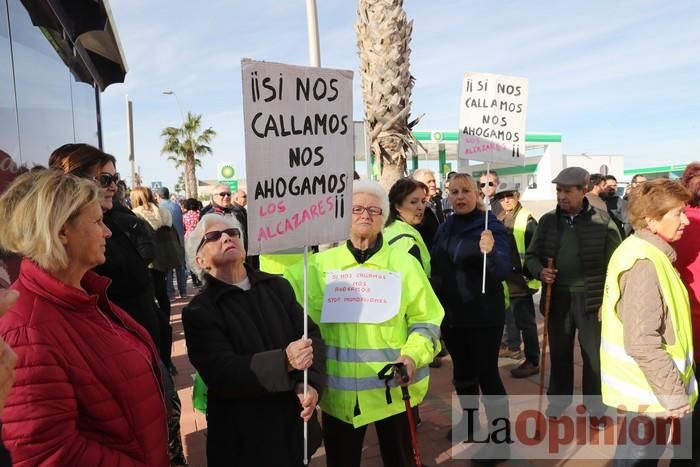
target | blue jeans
[{"x": 181, "y": 275}]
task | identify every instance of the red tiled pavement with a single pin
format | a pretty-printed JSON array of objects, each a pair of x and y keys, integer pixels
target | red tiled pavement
[{"x": 435, "y": 412}]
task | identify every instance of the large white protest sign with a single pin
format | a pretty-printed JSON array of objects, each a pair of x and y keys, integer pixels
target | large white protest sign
[
  {"x": 492, "y": 118},
  {"x": 299, "y": 149},
  {"x": 361, "y": 295}
]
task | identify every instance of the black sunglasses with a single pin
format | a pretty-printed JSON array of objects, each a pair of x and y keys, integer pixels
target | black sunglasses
[
  {"x": 224, "y": 194},
  {"x": 214, "y": 235},
  {"x": 105, "y": 179},
  {"x": 484, "y": 184}
]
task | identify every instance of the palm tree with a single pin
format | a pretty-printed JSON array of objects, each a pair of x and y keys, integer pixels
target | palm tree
[
  {"x": 383, "y": 36},
  {"x": 184, "y": 144}
]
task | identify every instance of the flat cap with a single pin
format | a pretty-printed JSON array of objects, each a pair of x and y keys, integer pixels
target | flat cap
[
  {"x": 507, "y": 187},
  {"x": 572, "y": 176}
]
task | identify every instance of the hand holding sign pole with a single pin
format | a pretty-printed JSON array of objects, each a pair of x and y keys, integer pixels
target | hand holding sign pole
[{"x": 492, "y": 124}]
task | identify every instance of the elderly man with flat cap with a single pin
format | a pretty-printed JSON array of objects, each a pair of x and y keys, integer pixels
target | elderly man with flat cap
[{"x": 580, "y": 238}]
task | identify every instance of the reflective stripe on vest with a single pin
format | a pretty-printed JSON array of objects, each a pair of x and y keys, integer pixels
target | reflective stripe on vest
[
  {"x": 341, "y": 354},
  {"x": 344, "y": 383},
  {"x": 519, "y": 228},
  {"x": 428, "y": 330},
  {"x": 623, "y": 383}
]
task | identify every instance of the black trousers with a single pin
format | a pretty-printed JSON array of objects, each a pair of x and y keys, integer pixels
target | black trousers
[
  {"x": 343, "y": 442},
  {"x": 166, "y": 331},
  {"x": 474, "y": 354},
  {"x": 568, "y": 315}
]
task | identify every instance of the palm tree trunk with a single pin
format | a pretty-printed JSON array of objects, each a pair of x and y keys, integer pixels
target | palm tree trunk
[
  {"x": 383, "y": 37},
  {"x": 190, "y": 177}
]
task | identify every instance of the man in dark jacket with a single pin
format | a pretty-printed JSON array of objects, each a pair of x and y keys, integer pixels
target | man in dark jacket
[
  {"x": 580, "y": 239},
  {"x": 615, "y": 205},
  {"x": 163, "y": 196}
]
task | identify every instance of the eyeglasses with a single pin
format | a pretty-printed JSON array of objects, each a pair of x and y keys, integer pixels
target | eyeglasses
[
  {"x": 484, "y": 184},
  {"x": 371, "y": 210},
  {"x": 106, "y": 179},
  {"x": 224, "y": 194},
  {"x": 214, "y": 235}
]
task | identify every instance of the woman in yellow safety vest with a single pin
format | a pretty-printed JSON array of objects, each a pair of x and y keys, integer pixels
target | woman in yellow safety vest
[
  {"x": 407, "y": 200},
  {"x": 358, "y": 344},
  {"x": 646, "y": 351}
]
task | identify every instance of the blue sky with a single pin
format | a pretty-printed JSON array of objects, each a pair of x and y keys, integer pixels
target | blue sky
[{"x": 613, "y": 77}]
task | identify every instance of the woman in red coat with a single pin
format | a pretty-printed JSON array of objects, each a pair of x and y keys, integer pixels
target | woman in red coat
[
  {"x": 87, "y": 386},
  {"x": 688, "y": 265}
]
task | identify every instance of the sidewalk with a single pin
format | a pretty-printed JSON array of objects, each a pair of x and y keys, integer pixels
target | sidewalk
[{"x": 435, "y": 412}]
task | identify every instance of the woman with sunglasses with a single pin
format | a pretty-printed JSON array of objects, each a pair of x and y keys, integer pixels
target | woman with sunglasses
[
  {"x": 244, "y": 336},
  {"x": 474, "y": 320},
  {"x": 359, "y": 347},
  {"x": 131, "y": 286}
]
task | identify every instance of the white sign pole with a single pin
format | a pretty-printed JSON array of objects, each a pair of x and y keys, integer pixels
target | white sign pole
[
  {"x": 314, "y": 60},
  {"x": 487, "y": 202},
  {"x": 306, "y": 335}
]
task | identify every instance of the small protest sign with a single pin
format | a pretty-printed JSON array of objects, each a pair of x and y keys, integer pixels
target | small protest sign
[
  {"x": 361, "y": 295},
  {"x": 492, "y": 118},
  {"x": 299, "y": 149}
]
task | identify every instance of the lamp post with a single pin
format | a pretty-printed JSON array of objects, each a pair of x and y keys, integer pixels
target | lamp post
[{"x": 170, "y": 92}]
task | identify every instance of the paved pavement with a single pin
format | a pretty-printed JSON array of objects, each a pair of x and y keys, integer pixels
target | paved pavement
[{"x": 435, "y": 412}]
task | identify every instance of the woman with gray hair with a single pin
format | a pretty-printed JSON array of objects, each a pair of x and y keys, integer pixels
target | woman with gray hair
[
  {"x": 243, "y": 333},
  {"x": 359, "y": 348}
]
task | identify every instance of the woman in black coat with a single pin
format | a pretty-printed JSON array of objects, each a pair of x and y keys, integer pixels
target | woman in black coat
[
  {"x": 244, "y": 337},
  {"x": 473, "y": 322}
]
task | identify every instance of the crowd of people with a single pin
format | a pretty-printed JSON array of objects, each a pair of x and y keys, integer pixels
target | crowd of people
[{"x": 86, "y": 372}]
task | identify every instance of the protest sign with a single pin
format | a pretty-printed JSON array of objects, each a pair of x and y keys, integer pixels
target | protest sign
[
  {"x": 299, "y": 149},
  {"x": 492, "y": 118},
  {"x": 361, "y": 295}
]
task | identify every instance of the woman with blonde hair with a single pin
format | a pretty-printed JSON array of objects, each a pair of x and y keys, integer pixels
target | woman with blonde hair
[
  {"x": 646, "y": 350},
  {"x": 473, "y": 323},
  {"x": 88, "y": 389},
  {"x": 167, "y": 255}
]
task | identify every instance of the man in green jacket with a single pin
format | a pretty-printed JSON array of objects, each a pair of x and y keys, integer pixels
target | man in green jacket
[{"x": 581, "y": 239}]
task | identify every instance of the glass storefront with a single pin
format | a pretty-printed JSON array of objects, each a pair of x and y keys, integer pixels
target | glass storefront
[{"x": 42, "y": 104}]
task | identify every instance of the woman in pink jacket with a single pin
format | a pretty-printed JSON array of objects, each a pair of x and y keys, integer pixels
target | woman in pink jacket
[{"x": 87, "y": 386}]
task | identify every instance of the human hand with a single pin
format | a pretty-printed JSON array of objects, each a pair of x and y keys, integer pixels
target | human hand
[
  {"x": 8, "y": 297},
  {"x": 548, "y": 275},
  {"x": 300, "y": 354},
  {"x": 410, "y": 369},
  {"x": 679, "y": 412},
  {"x": 486, "y": 242},
  {"x": 308, "y": 404}
]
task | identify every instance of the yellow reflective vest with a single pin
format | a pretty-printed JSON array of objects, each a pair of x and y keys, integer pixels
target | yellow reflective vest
[
  {"x": 623, "y": 384},
  {"x": 401, "y": 235},
  {"x": 356, "y": 352},
  {"x": 277, "y": 263},
  {"x": 519, "y": 228}
]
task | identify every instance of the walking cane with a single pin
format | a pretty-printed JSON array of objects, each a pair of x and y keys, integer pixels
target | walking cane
[
  {"x": 543, "y": 360},
  {"x": 387, "y": 375}
]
